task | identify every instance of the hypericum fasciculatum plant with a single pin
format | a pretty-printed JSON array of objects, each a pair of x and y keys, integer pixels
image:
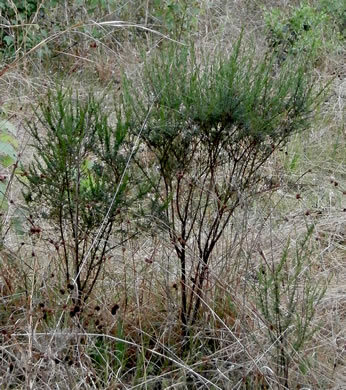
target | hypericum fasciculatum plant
[
  {"x": 76, "y": 182},
  {"x": 211, "y": 126},
  {"x": 287, "y": 297}
]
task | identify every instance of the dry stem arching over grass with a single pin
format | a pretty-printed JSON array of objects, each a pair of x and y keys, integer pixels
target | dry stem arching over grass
[{"x": 173, "y": 197}]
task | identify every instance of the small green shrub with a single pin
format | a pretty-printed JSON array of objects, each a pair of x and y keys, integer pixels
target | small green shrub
[
  {"x": 176, "y": 17},
  {"x": 337, "y": 10},
  {"x": 77, "y": 180},
  {"x": 26, "y": 26},
  {"x": 210, "y": 128},
  {"x": 19, "y": 9},
  {"x": 300, "y": 30},
  {"x": 287, "y": 299}
]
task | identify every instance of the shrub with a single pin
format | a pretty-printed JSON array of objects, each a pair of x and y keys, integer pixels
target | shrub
[
  {"x": 287, "y": 299},
  {"x": 178, "y": 18},
  {"x": 302, "y": 29},
  {"x": 337, "y": 10},
  {"x": 210, "y": 127},
  {"x": 26, "y": 27},
  {"x": 77, "y": 180}
]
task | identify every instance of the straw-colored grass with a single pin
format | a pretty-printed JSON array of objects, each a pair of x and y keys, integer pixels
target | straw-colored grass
[{"x": 129, "y": 336}]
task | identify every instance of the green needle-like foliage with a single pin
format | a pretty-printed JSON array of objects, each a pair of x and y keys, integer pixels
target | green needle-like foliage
[
  {"x": 77, "y": 180},
  {"x": 287, "y": 299},
  {"x": 210, "y": 126}
]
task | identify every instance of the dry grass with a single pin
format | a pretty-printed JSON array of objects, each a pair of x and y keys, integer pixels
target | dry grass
[{"x": 129, "y": 335}]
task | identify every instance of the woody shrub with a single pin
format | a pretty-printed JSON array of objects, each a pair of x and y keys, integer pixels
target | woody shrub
[
  {"x": 287, "y": 297},
  {"x": 77, "y": 180},
  {"x": 211, "y": 125}
]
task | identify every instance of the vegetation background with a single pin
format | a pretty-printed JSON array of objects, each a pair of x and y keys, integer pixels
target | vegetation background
[{"x": 172, "y": 194}]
